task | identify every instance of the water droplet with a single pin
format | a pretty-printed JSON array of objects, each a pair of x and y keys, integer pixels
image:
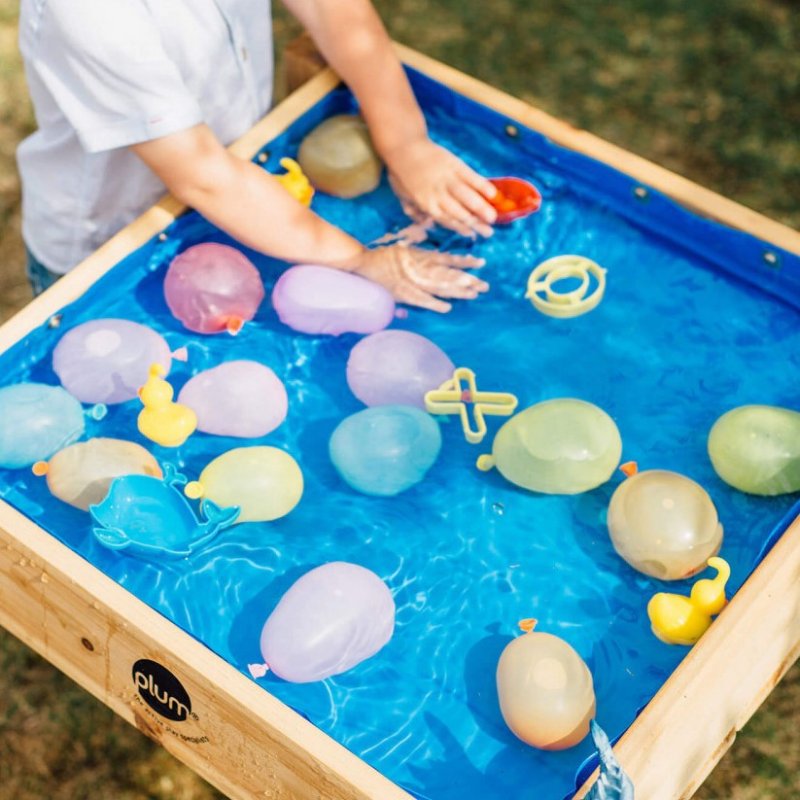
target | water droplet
[
  {"x": 54, "y": 321},
  {"x": 498, "y": 509}
]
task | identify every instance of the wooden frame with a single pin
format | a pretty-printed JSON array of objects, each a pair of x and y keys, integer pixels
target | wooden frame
[{"x": 246, "y": 742}]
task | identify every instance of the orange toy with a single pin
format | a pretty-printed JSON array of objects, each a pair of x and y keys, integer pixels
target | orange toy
[{"x": 515, "y": 198}]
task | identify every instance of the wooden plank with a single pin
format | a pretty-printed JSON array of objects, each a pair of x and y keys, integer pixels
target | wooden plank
[
  {"x": 695, "y": 197},
  {"x": 239, "y": 737},
  {"x": 692, "y": 721}
]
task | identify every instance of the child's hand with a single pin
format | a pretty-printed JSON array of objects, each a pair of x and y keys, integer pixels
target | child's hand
[
  {"x": 432, "y": 183},
  {"x": 420, "y": 277}
]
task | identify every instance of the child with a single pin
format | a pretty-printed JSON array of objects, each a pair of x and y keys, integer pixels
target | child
[{"x": 132, "y": 95}]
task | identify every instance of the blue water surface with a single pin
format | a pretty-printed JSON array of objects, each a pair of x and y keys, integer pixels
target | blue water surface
[{"x": 683, "y": 335}]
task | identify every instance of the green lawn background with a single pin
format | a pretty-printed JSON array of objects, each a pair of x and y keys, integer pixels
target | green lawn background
[{"x": 710, "y": 89}]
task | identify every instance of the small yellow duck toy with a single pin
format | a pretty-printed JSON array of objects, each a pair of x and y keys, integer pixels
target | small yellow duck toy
[
  {"x": 295, "y": 181},
  {"x": 677, "y": 619},
  {"x": 161, "y": 420}
]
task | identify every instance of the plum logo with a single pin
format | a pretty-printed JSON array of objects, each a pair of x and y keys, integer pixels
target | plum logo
[{"x": 161, "y": 690}]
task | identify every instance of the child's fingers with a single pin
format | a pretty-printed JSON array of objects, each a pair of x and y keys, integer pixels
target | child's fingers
[
  {"x": 480, "y": 184},
  {"x": 456, "y": 261},
  {"x": 458, "y": 218},
  {"x": 416, "y": 296},
  {"x": 447, "y": 282},
  {"x": 475, "y": 203},
  {"x": 450, "y": 215}
]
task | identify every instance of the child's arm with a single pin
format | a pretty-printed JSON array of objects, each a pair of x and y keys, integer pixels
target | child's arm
[
  {"x": 250, "y": 205},
  {"x": 353, "y": 40}
]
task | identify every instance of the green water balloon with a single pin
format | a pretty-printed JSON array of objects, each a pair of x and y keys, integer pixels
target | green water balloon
[
  {"x": 664, "y": 524},
  {"x": 562, "y": 446},
  {"x": 756, "y": 449}
]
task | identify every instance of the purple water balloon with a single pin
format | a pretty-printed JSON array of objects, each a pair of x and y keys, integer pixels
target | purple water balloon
[
  {"x": 396, "y": 368},
  {"x": 212, "y": 288},
  {"x": 107, "y": 360},
  {"x": 331, "y": 619},
  {"x": 237, "y": 398},
  {"x": 316, "y": 300}
]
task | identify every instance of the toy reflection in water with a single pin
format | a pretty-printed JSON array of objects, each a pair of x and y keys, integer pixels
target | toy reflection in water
[
  {"x": 676, "y": 619},
  {"x": 756, "y": 449},
  {"x": 212, "y": 288},
  {"x": 81, "y": 473},
  {"x": 107, "y": 360},
  {"x": 545, "y": 690},
  {"x": 663, "y": 523},
  {"x": 161, "y": 420},
  {"x": 149, "y": 516},
  {"x": 36, "y": 421}
]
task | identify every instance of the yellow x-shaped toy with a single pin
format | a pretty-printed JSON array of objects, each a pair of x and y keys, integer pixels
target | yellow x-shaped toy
[{"x": 456, "y": 395}]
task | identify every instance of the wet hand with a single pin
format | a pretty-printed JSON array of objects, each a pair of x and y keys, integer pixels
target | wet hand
[
  {"x": 433, "y": 184},
  {"x": 421, "y": 277}
]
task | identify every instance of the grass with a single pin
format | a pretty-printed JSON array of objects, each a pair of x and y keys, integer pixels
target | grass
[{"x": 710, "y": 89}]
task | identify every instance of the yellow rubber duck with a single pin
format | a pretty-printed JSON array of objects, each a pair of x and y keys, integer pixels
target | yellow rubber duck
[
  {"x": 295, "y": 181},
  {"x": 677, "y": 619},
  {"x": 161, "y": 420}
]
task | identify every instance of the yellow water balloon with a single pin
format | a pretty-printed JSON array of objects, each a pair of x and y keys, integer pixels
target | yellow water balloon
[
  {"x": 545, "y": 690},
  {"x": 756, "y": 449},
  {"x": 562, "y": 446},
  {"x": 664, "y": 524},
  {"x": 81, "y": 474},
  {"x": 338, "y": 157},
  {"x": 264, "y": 482}
]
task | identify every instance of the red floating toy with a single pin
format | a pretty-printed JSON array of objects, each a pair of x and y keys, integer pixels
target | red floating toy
[{"x": 515, "y": 198}]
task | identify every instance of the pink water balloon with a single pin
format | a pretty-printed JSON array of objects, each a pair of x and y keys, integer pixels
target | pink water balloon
[
  {"x": 238, "y": 398},
  {"x": 313, "y": 299},
  {"x": 396, "y": 367},
  {"x": 108, "y": 360},
  {"x": 212, "y": 288},
  {"x": 330, "y": 620}
]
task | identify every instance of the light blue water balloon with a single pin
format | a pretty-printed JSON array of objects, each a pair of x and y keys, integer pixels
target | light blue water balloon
[
  {"x": 36, "y": 421},
  {"x": 386, "y": 449}
]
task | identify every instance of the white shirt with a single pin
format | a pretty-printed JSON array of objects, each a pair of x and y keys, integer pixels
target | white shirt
[{"x": 105, "y": 74}]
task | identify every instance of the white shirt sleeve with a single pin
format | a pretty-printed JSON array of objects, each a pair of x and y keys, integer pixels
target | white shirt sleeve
[{"x": 105, "y": 65}]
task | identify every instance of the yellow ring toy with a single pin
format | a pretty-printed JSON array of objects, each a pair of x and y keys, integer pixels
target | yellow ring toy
[{"x": 573, "y": 303}]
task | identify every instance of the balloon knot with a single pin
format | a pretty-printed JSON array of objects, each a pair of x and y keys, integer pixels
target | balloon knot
[
  {"x": 630, "y": 468},
  {"x": 193, "y": 490},
  {"x": 527, "y": 625},
  {"x": 181, "y": 354},
  {"x": 40, "y": 468},
  {"x": 485, "y": 463},
  {"x": 234, "y": 325},
  {"x": 258, "y": 670}
]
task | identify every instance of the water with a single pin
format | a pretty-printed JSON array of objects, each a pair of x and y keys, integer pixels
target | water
[{"x": 675, "y": 343}]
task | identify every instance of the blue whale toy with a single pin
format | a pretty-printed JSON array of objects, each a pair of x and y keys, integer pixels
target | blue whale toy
[{"x": 151, "y": 516}]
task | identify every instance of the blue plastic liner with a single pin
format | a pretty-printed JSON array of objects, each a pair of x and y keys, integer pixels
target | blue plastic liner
[{"x": 695, "y": 321}]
